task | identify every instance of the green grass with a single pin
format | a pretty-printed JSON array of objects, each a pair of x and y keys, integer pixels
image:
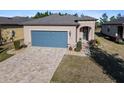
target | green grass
[
  {"x": 4, "y": 55},
  {"x": 3, "y": 51}
]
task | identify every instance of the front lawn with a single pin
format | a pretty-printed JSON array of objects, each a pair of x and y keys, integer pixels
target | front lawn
[
  {"x": 76, "y": 69},
  {"x": 4, "y": 55},
  {"x": 110, "y": 46},
  {"x": 4, "y": 48},
  {"x": 3, "y": 51}
]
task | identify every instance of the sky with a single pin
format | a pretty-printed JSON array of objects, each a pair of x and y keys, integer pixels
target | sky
[{"x": 93, "y": 13}]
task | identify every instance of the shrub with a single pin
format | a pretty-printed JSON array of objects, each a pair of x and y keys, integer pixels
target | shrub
[
  {"x": 17, "y": 44},
  {"x": 119, "y": 41},
  {"x": 77, "y": 49},
  {"x": 97, "y": 42},
  {"x": 94, "y": 43},
  {"x": 2, "y": 49},
  {"x": 78, "y": 46},
  {"x": 74, "y": 49}
]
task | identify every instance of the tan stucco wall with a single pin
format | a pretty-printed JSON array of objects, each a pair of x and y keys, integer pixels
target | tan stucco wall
[
  {"x": 72, "y": 29},
  {"x": 71, "y": 39},
  {"x": 86, "y": 23},
  {"x": 6, "y": 32}
]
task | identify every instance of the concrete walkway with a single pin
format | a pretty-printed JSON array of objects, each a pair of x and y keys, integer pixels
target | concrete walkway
[
  {"x": 34, "y": 64},
  {"x": 84, "y": 52}
]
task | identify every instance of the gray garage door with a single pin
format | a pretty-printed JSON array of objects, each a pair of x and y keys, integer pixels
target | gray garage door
[{"x": 49, "y": 38}]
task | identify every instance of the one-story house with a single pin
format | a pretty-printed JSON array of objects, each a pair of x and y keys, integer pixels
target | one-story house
[
  {"x": 11, "y": 27},
  {"x": 114, "y": 29},
  {"x": 59, "y": 31}
]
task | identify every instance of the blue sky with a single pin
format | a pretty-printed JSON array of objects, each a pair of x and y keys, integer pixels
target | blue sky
[{"x": 93, "y": 13}]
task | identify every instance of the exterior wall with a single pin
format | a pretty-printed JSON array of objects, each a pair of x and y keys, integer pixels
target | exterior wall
[
  {"x": 112, "y": 32},
  {"x": 6, "y": 32},
  {"x": 69, "y": 29},
  {"x": 89, "y": 24},
  {"x": 123, "y": 32},
  {"x": 0, "y": 34}
]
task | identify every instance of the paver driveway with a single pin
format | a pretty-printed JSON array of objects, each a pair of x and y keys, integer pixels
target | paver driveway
[{"x": 34, "y": 64}]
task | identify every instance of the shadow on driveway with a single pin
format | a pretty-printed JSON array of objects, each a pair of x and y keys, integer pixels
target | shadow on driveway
[{"x": 111, "y": 64}]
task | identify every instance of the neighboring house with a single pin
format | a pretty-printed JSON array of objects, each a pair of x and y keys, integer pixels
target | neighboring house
[
  {"x": 11, "y": 27},
  {"x": 59, "y": 31},
  {"x": 114, "y": 28}
]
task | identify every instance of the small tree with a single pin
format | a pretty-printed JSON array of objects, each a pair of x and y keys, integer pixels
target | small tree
[
  {"x": 112, "y": 18},
  {"x": 82, "y": 15},
  {"x": 66, "y": 14},
  {"x": 75, "y": 15},
  {"x": 104, "y": 18},
  {"x": 50, "y": 13},
  {"x": 40, "y": 15},
  {"x": 37, "y": 15},
  {"x": 118, "y": 16},
  {"x": 98, "y": 24},
  {"x": 46, "y": 13},
  {"x": 60, "y": 13}
]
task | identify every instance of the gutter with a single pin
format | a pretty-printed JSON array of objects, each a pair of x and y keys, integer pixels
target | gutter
[
  {"x": 50, "y": 24},
  {"x": 113, "y": 24}
]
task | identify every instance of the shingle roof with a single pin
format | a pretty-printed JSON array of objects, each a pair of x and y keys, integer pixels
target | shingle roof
[
  {"x": 116, "y": 21},
  {"x": 58, "y": 20},
  {"x": 13, "y": 20}
]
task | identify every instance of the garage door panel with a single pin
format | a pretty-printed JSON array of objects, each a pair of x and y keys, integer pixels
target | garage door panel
[{"x": 49, "y": 38}]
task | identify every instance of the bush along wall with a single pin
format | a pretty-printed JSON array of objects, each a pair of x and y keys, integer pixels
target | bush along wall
[
  {"x": 17, "y": 44},
  {"x": 78, "y": 46}
]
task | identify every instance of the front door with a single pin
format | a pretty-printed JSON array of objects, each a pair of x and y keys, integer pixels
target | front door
[{"x": 85, "y": 33}]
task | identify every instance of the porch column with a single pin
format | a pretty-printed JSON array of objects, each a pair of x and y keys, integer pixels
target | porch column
[
  {"x": 78, "y": 34},
  {"x": 92, "y": 33},
  {"x": 89, "y": 34}
]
